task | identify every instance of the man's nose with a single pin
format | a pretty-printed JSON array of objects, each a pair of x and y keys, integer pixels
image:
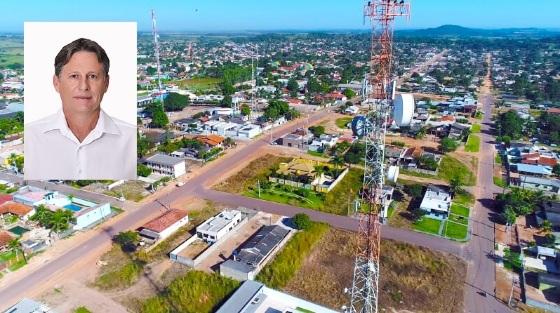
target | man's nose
[{"x": 84, "y": 83}]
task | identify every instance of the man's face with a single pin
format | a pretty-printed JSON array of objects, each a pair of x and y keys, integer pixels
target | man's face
[{"x": 81, "y": 83}]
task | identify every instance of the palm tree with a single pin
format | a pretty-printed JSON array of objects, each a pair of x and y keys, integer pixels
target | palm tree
[
  {"x": 319, "y": 171},
  {"x": 15, "y": 246},
  {"x": 455, "y": 184},
  {"x": 42, "y": 215},
  {"x": 338, "y": 161},
  {"x": 60, "y": 220}
]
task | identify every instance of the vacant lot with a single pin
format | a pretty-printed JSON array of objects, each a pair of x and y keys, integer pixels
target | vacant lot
[
  {"x": 258, "y": 169},
  {"x": 200, "y": 84},
  {"x": 451, "y": 167},
  {"x": 415, "y": 279},
  {"x": 343, "y": 121}
]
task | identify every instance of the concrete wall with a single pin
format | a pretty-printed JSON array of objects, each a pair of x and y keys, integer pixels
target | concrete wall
[
  {"x": 175, "y": 257},
  {"x": 93, "y": 216}
]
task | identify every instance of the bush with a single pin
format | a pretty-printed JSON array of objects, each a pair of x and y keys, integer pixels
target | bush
[
  {"x": 143, "y": 170},
  {"x": 414, "y": 190},
  {"x": 301, "y": 221},
  {"x": 448, "y": 145},
  {"x": 128, "y": 240},
  {"x": 398, "y": 144}
]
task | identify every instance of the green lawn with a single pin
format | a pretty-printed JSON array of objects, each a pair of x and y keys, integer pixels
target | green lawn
[
  {"x": 464, "y": 198},
  {"x": 335, "y": 201},
  {"x": 498, "y": 159},
  {"x": 456, "y": 231},
  {"x": 427, "y": 225},
  {"x": 475, "y": 128},
  {"x": 276, "y": 194},
  {"x": 200, "y": 84},
  {"x": 416, "y": 174},
  {"x": 460, "y": 210},
  {"x": 342, "y": 122},
  {"x": 450, "y": 167},
  {"x": 473, "y": 144},
  {"x": 82, "y": 309},
  {"x": 316, "y": 154},
  {"x": 498, "y": 181}
]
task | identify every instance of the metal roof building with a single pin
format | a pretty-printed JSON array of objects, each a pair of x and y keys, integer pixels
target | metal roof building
[{"x": 252, "y": 254}]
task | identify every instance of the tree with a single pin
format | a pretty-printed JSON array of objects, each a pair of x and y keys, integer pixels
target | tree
[
  {"x": 128, "y": 240},
  {"x": 60, "y": 220},
  {"x": 16, "y": 161},
  {"x": 15, "y": 246},
  {"x": 245, "y": 110},
  {"x": 175, "y": 102},
  {"x": 546, "y": 226},
  {"x": 556, "y": 169},
  {"x": 226, "y": 102},
  {"x": 143, "y": 170},
  {"x": 510, "y": 124},
  {"x": 276, "y": 109},
  {"x": 506, "y": 140},
  {"x": 509, "y": 216},
  {"x": 229, "y": 142},
  {"x": 455, "y": 184},
  {"x": 421, "y": 133},
  {"x": 313, "y": 86},
  {"x": 317, "y": 130},
  {"x": 428, "y": 162},
  {"x": 448, "y": 145},
  {"x": 159, "y": 118},
  {"x": 292, "y": 85},
  {"x": 301, "y": 221},
  {"x": 349, "y": 93}
]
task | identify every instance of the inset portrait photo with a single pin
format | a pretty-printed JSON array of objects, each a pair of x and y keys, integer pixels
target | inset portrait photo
[{"x": 80, "y": 100}]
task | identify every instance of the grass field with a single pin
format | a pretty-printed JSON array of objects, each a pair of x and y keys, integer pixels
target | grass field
[
  {"x": 413, "y": 278},
  {"x": 287, "y": 262},
  {"x": 199, "y": 84},
  {"x": 342, "y": 122},
  {"x": 498, "y": 159},
  {"x": 450, "y": 167},
  {"x": 498, "y": 181},
  {"x": 336, "y": 201},
  {"x": 475, "y": 128},
  {"x": 11, "y": 51},
  {"x": 416, "y": 174},
  {"x": 194, "y": 292},
  {"x": 314, "y": 200},
  {"x": 455, "y": 231},
  {"x": 460, "y": 210},
  {"x": 316, "y": 154},
  {"x": 464, "y": 198},
  {"x": 473, "y": 144},
  {"x": 427, "y": 225}
]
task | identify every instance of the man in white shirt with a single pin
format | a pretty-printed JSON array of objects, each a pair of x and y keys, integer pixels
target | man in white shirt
[{"x": 80, "y": 141}]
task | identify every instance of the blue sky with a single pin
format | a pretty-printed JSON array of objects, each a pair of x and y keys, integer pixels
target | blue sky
[{"x": 233, "y": 15}]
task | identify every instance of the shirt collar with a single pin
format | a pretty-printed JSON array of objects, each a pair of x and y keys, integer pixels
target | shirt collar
[{"x": 105, "y": 124}]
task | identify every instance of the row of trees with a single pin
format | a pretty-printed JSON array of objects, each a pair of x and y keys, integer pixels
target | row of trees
[
  {"x": 278, "y": 108},
  {"x": 56, "y": 221}
]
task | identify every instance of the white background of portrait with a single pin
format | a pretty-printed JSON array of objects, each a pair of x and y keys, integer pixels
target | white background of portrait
[{"x": 43, "y": 41}]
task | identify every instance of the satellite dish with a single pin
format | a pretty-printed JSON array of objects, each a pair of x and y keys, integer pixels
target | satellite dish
[
  {"x": 393, "y": 173},
  {"x": 404, "y": 109},
  {"x": 360, "y": 126}
]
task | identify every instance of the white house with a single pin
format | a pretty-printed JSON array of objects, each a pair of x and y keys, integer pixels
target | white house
[
  {"x": 166, "y": 165},
  {"x": 218, "y": 226},
  {"x": 249, "y": 131},
  {"x": 164, "y": 225},
  {"x": 436, "y": 201}
]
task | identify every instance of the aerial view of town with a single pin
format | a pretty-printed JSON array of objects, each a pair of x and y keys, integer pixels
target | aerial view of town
[{"x": 374, "y": 156}]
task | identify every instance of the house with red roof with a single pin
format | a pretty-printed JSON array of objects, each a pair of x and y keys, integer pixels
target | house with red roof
[{"x": 164, "y": 225}]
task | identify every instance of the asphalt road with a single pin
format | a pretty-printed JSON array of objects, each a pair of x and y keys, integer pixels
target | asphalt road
[{"x": 481, "y": 273}]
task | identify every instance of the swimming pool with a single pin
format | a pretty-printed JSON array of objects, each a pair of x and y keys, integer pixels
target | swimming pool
[
  {"x": 73, "y": 207},
  {"x": 18, "y": 230}
]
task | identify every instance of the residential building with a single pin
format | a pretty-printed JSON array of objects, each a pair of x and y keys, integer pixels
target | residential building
[
  {"x": 249, "y": 131},
  {"x": 211, "y": 140},
  {"x": 251, "y": 257},
  {"x": 5, "y": 239},
  {"x": 253, "y": 297},
  {"x": 22, "y": 211},
  {"x": 218, "y": 226},
  {"x": 29, "y": 306},
  {"x": 87, "y": 213},
  {"x": 164, "y": 225},
  {"x": 550, "y": 185},
  {"x": 436, "y": 201},
  {"x": 166, "y": 165}
]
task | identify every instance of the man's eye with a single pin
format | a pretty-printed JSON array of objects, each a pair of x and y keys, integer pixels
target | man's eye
[
  {"x": 74, "y": 76},
  {"x": 93, "y": 76}
]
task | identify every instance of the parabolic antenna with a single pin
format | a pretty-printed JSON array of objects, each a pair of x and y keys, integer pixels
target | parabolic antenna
[
  {"x": 404, "y": 109},
  {"x": 393, "y": 173}
]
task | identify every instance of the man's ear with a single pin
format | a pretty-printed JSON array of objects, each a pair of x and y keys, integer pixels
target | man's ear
[
  {"x": 56, "y": 83},
  {"x": 106, "y": 83}
]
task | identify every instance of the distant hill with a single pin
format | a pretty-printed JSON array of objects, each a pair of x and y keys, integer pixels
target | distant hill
[{"x": 460, "y": 31}]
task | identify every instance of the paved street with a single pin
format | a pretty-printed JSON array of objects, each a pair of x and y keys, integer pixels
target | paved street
[{"x": 481, "y": 273}]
